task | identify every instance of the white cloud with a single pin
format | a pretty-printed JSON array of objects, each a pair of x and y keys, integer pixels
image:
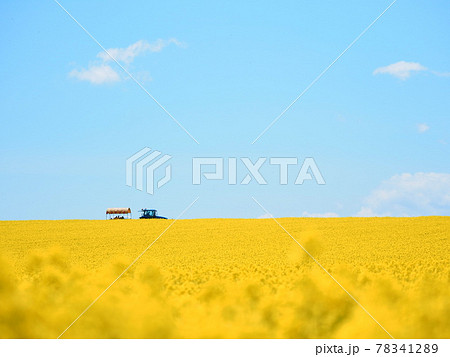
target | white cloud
[
  {"x": 320, "y": 215},
  {"x": 128, "y": 54},
  {"x": 96, "y": 74},
  {"x": 101, "y": 72},
  {"x": 418, "y": 194},
  {"x": 421, "y": 128},
  {"x": 401, "y": 69}
]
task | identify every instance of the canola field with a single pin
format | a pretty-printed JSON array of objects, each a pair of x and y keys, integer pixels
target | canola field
[{"x": 226, "y": 278}]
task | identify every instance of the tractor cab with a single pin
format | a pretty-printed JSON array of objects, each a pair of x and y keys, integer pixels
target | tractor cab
[{"x": 150, "y": 214}]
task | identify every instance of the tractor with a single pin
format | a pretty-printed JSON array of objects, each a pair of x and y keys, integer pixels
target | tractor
[{"x": 149, "y": 214}]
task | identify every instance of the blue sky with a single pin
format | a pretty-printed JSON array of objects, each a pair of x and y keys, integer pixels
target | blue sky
[{"x": 377, "y": 123}]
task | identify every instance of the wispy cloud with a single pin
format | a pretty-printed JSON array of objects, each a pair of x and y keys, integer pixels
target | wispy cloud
[
  {"x": 96, "y": 74},
  {"x": 401, "y": 69},
  {"x": 127, "y": 55},
  {"x": 421, "y": 128},
  {"x": 320, "y": 215},
  {"x": 418, "y": 194},
  {"x": 441, "y": 74},
  {"x": 100, "y": 72}
]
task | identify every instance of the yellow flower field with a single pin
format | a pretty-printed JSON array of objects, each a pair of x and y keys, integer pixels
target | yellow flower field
[{"x": 226, "y": 278}]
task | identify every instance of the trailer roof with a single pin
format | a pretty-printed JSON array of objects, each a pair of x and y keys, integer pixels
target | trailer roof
[{"x": 118, "y": 210}]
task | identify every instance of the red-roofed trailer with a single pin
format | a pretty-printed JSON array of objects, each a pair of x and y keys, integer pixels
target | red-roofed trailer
[{"x": 118, "y": 213}]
